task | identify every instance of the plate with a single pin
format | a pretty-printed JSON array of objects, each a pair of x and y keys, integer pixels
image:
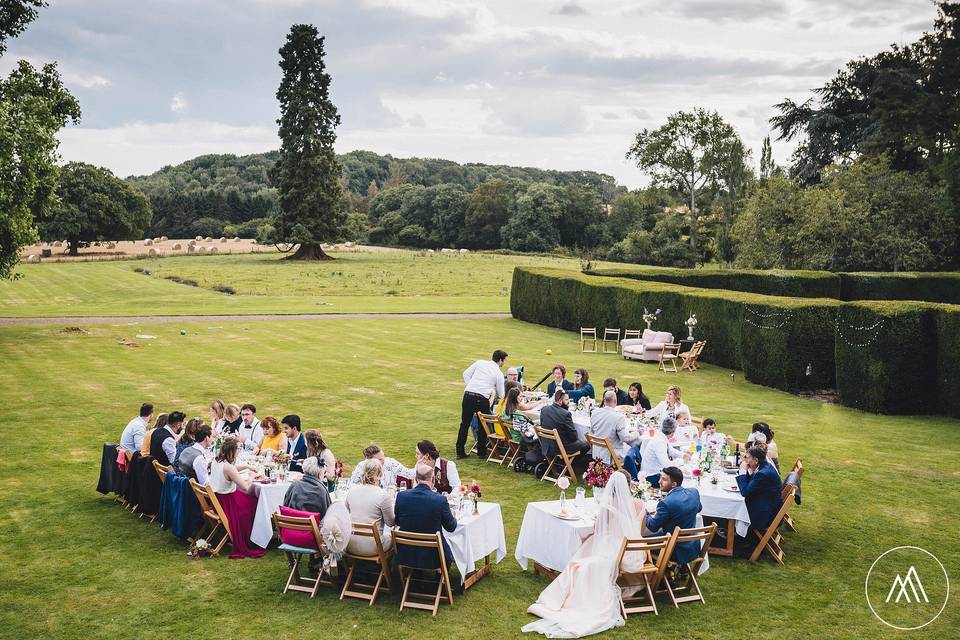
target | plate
[
  {"x": 732, "y": 489},
  {"x": 567, "y": 516}
]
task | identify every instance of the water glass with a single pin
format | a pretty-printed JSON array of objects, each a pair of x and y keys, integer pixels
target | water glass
[{"x": 581, "y": 498}]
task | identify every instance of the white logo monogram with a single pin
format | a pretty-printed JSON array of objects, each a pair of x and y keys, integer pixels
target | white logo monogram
[{"x": 912, "y": 581}]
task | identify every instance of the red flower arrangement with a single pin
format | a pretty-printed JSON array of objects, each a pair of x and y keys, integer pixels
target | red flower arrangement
[
  {"x": 475, "y": 488},
  {"x": 597, "y": 474},
  {"x": 338, "y": 469}
]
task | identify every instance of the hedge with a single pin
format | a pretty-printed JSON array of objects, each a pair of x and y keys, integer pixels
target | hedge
[
  {"x": 883, "y": 357},
  {"x": 927, "y": 287}
]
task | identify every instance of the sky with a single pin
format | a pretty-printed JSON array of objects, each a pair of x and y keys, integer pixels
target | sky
[{"x": 547, "y": 83}]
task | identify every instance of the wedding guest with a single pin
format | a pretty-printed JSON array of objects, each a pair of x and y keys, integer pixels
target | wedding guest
[
  {"x": 237, "y": 498},
  {"x": 611, "y": 385},
  {"x": 656, "y": 453},
  {"x": 762, "y": 490},
  {"x": 250, "y": 432},
  {"x": 685, "y": 432},
  {"x": 760, "y": 431},
  {"x": 186, "y": 438},
  {"x": 513, "y": 375},
  {"x": 507, "y": 386},
  {"x": 671, "y": 405},
  {"x": 296, "y": 444},
  {"x": 309, "y": 493},
  {"x": 559, "y": 380},
  {"x": 317, "y": 448},
  {"x": 422, "y": 510},
  {"x": 231, "y": 419},
  {"x": 217, "y": 420},
  {"x": 557, "y": 416},
  {"x": 163, "y": 442},
  {"x": 273, "y": 437},
  {"x": 391, "y": 467},
  {"x": 369, "y": 502},
  {"x": 511, "y": 413},
  {"x": 148, "y": 435},
  {"x": 710, "y": 436},
  {"x": 678, "y": 508},
  {"x": 607, "y": 422},
  {"x": 482, "y": 379},
  {"x": 636, "y": 396},
  {"x": 132, "y": 437},
  {"x": 445, "y": 475},
  {"x": 193, "y": 462},
  {"x": 582, "y": 387}
]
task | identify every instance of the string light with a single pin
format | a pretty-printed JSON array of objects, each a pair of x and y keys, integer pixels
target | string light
[
  {"x": 878, "y": 326},
  {"x": 761, "y": 323}
]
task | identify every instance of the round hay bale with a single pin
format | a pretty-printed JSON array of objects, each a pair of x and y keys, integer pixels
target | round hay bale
[
  {"x": 211, "y": 250},
  {"x": 198, "y": 238},
  {"x": 462, "y": 251},
  {"x": 177, "y": 247},
  {"x": 349, "y": 245},
  {"x": 236, "y": 239},
  {"x": 57, "y": 243},
  {"x": 191, "y": 248},
  {"x": 192, "y": 243},
  {"x": 208, "y": 239},
  {"x": 222, "y": 239},
  {"x": 430, "y": 251},
  {"x": 164, "y": 238},
  {"x": 153, "y": 253},
  {"x": 148, "y": 242},
  {"x": 32, "y": 259}
]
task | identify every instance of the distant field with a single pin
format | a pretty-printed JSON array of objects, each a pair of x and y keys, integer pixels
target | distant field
[{"x": 401, "y": 282}]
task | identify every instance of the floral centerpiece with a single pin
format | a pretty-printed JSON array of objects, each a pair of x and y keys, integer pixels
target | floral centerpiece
[
  {"x": 281, "y": 458},
  {"x": 649, "y": 317},
  {"x": 199, "y": 549},
  {"x": 597, "y": 474},
  {"x": 641, "y": 490},
  {"x": 563, "y": 482},
  {"x": 705, "y": 464},
  {"x": 691, "y": 323}
]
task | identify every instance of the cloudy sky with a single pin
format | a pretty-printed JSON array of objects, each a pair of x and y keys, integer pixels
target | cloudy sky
[{"x": 547, "y": 83}]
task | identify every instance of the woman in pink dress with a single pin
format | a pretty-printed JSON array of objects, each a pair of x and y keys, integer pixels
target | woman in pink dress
[{"x": 239, "y": 507}]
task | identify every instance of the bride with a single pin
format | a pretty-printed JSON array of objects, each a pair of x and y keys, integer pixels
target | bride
[{"x": 584, "y": 599}]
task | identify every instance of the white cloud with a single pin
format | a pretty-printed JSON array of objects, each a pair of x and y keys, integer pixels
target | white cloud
[{"x": 178, "y": 103}]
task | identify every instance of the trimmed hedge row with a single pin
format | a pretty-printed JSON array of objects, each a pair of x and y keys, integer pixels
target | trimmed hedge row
[
  {"x": 928, "y": 287},
  {"x": 884, "y": 357}
]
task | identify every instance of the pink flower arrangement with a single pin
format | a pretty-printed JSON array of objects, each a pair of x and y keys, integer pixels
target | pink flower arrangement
[
  {"x": 597, "y": 474},
  {"x": 338, "y": 469},
  {"x": 475, "y": 489},
  {"x": 696, "y": 472}
]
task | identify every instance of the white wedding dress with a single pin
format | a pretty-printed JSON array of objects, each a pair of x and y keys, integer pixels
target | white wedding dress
[{"x": 584, "y": 599}]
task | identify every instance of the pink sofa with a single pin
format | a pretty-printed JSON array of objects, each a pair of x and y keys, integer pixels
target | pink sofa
[{"x": 647, "y": 347}]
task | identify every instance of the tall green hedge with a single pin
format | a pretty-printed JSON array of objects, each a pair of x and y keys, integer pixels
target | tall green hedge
[
  {"x": 927, "y": 287},
  {"x": 884, "y": 357}
]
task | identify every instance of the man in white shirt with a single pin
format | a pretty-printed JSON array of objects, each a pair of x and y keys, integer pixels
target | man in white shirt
[
  {"x": 193, "y": 460},
  {"x": 483, "y": 379},
  {"x": 607, "y": 422},
  {"x": 250, "y": 431},
  {"x": 132, "y": 437},
  {"x": 656, "y": 453},
  {"x": 391, "y": 467}
]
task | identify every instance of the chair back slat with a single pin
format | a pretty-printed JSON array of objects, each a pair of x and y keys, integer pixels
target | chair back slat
[
  {"x": 298, "y": 523},
  {"x": 594, "y": 441}
]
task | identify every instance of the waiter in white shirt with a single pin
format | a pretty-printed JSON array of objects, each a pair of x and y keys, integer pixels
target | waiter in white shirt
[
  {"x": 482, "y": 378},
  {"x": 250, "y": 431}
]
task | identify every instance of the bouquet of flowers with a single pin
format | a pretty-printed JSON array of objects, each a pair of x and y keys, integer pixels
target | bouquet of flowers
[
  {"x": 691, "y": 323},
  {"x": 641, "y": 490},
  {"x": 597, "y": 474},
  {"x": 649, "y": 317},
  {"x": 475, "y": 489},
  {"x": 199, "y": 549},
  {"x": 281, "y": 459}
]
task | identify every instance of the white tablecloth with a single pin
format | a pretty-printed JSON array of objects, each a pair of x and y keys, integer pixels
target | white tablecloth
[
  {"x": 476, "y": 537},
  {"x": 551, "y": 542},
  {"x": 269, "y": 499},
  {"x": 719, "y": 503}
]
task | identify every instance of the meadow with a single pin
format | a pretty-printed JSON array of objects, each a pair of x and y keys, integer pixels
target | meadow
[
  {"x": 398, "y": 282},
  {"x": 77, "y": 565}
]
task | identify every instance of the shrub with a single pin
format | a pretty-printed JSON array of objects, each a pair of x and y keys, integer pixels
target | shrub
[
  {"x": 929, "y": 287},
  {"x": 230, "y": 291}
]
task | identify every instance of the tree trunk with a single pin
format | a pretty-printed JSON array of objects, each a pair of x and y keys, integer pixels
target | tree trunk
[
  {"x": 693, "y": 217},
  {"x": 311, "y": 251},
  {"x": 73, "y": 247}
]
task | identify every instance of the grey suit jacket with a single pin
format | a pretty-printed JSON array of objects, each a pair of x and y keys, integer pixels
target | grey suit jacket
[{"x": 607, "y": 422}]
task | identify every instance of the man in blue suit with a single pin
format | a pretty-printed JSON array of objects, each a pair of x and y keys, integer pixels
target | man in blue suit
[
  {"x": 762, "y": 490},
  {"x": 678, "y": 509},
  {"x": 296, "y": 443},
  {"x": 422, "y": 510}
]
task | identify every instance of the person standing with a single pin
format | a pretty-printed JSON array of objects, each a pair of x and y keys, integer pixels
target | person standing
[{"x": 482, "y": 379}]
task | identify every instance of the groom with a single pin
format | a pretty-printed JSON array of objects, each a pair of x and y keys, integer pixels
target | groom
[{"x": 678, "y": 509}]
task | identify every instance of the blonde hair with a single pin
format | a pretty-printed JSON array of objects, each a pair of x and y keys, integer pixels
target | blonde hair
[
  {"x": 676, "y": 391},
  {"x": 231, "y": 412},
  {"x": 370, "y": 472},
  {"x": 217, "y": 407}
]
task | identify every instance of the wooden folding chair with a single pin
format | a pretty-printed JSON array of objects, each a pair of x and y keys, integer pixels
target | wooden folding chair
[
  {"x": 703, "y": 535},
  {"x": 364, "y": 590},
  {"x": 594, "y": 441},
  {"x": 295, "y": 554},
  {"x": 690, "y": 357},
  {"x": 588, "y": 335},
  {"x": 668, "y": 358},
  {"x": 632, "y": 334},
  {"x": 214, "y": 521},
  {"x": 161, "y": 470},
  {"x": 787, "y": 519},
  {"x": 512, "y": 447},
  {"x": 770, "y": 539},
  {"x": 657, "y": 552},
  {"x": 496, "y": 447},
  {"x": 611, "y": 335},
  {"x": 421, "y": 599},
  {"x": 567, "y": 460}
]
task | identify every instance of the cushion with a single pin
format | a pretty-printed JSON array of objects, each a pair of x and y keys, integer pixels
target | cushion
[
  {"x": 630, "y": 342},
  {"x": 303, "y": 539},
  {"x": 649, "y": 335},
  {"x": 664, "y": 337}
]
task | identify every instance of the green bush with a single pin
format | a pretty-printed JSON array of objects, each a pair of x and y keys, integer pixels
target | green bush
[
  {"x": 946, "y": 324},
  {"x": 928, "y": 287}
]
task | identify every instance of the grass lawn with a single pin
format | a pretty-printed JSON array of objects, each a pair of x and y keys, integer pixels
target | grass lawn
[
  {"x": 75, "y": 565},
  {"x": 398, "y": 282}
]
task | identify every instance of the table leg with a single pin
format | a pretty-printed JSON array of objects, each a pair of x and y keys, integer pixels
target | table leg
[
  {"x": 728, "y": 549},
  {"x": 475, "y": 576},
  {"x": 546, "y": 572}
]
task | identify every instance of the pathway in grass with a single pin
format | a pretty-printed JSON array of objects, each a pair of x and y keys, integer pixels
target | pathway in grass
[
  {"x": 872, "y": 482},
  {"x": 247, "y": 318}
]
